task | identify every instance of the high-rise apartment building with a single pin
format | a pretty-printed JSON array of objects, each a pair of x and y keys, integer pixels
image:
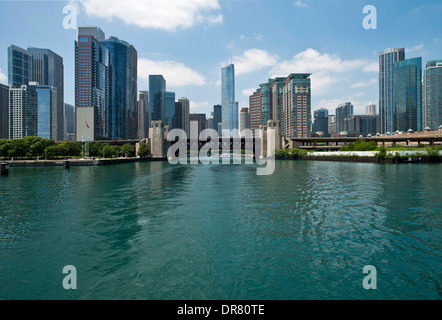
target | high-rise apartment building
[
  {"x": 177, "y": 121},
  {"x": 229, "y": 106},
  {"x": 407, "y": 95},
  {"x": 343, "y": 111},
  {"x": 4, "y": 110},
  {"x": 432, "y": 100},
  {"x": 200, "y": 120},
  {"x": 47, "y": 115},
  {"x": 370, "y": 109},
  {"x": 69, "y": 122},
  {"x": 122, "y": 112},
  {"x": 19, "y": 66},
  {"x": 244, "y": 120},
  {"x": 255, "y": 110},
  {"x": 217, "y": 117},
  {"x": 23, "y": 111},
  {"x": 277, "y": 102},
  {"x": 91, "y": 85},
  {"x": 387, "y": 59},
  {"x": 143, "y": 115},
  {"x": 185, "y": 104},
  {"x": 170, "y": 108}
]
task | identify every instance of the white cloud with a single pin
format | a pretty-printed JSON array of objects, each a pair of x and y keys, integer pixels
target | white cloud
[
  {"x": 175, "y": 73},
  {"x": 248, "y": 92},
  {"x": 200, "y": 107},
  {"x": 364, "y": 84},
  {"x": 299, "y": 3},
  {"x": 331, "y": 105},
  {"x": 253, "y": 60},
  {"x": 415, "y": 48},
  {"x": 3, "y": 77},
  {"x": 157, "y": 14},
  {"x": 324, "y": 67},
  {"x": 371, "y": 67}
]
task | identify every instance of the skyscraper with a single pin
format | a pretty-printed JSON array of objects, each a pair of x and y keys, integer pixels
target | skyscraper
[
  {"x": 277, "y": 102},
  {"x": 343, "y": 111},
  {"x": 433, "y": 94},
  {"x": 387, "y": 59},
  {"x": 320, "y": 124},
  {"x": 170, "y": 108},
  {"x": 69, "y": 121},
  {"x": 178, "y": 116},
  {"x": 200, "y": 119},
  {"x": 407, "y": 95},
  {"x": 91, "y": 85},
  {"x": 23, "y": 109},
  {"x": 47, "y": 115},
  {"x": 229, "y": 106},
  {"x": 157, "y": 98},
  {"x": 19, "y": 66},
  {"x": 48, "y": 70},
  {"x": 185, "y": 104},
  {"x": 4, "y": 106},
  {"x": 244, "y": 120},
  {"x": 143, "y": 115},
  {"x": 217, "y": 117},
  {"x": 255, "y": 110},
  {"x": 370, "y": 109},
  {"x": 122, "y": 110},
  {"x": 297, "y": 105}
]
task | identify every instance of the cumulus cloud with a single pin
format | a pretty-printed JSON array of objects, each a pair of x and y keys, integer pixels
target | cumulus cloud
[
  {"x": 299, "y": 3},
  {"x": 157, "y": 14},
  {"x": 175, "y": 73},
  {"x": 3, "y": 77},
  {"x": 200, "y": 107},
  {"x": 364, "y": 84},
  {"x": 415, "y": 48},
  {"x": 248, "y": 92},
  {"x": 253, "y": 60}
]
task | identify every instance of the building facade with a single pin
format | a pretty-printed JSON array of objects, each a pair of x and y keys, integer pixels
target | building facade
[
  {"x": 47, "y": 115},
  {"x": 170, "y": 108},
  {"x": 343, "y": 111},
  {"x": 244, "y": 120},
  {"x": 432, "y": 100},
  {"x": 361, "y": 125},
  {"x": 185, "y": 104},
  {"x": 143, "y": 115},
  {"x": 217, "y": 117},
  {"x": 370, "y": 109},
  {"x": 229, "y": 106},
  {"x": 69, "y": 122},
  {"x": 23, "y": 112},
  {"x": 387, "y": 59},
  {"x": 91, "y": 85},
  {"x": 320, "y": 124},
  {"x": 19, "y": 66},
  {"x": 4, "y": 110},
  {"x": 157, "y": 98},
  {"x": 407, "y": 95}
]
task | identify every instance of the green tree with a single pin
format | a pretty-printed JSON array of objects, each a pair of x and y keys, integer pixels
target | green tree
[
  {"x": 128, "y": 149},
  {"x": 143, "y": 150}
]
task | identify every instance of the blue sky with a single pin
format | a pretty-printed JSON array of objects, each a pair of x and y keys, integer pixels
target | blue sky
[{"x": 188, "y": 41}]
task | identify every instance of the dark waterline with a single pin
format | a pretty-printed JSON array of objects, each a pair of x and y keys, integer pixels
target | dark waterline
[{"x": 157, "y": 231}]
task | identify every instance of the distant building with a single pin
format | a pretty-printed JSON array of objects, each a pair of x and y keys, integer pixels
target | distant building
[
  {"x": 343, "y": 111},
  {"x": 200, "y": 119},
  {"x": 387, "y": 59},
  {"x": 19, "y": 66},
  {"x": 277, "y": 102},
  {"x": 331, "y": 124},
  {"x": 217, "y": 117},
  {"x": 69, "y": 122},
  {"x": 47, "y": 113},
  {"x": 432, "y": 99},
  {"x": 320, "y": 124},
  {"x": 177, "y": 121},
  {"x": 143, "y": 115},
  {"x": 185, "y": 104},
  {"x": 170, "y": 108},
  {"x": 244, "y": 120},
  {"x": 229, "y": 106},
  {"x": 4, "y": 106},
  {"x": 361, "y": 125},
  {"x": 23, "y": 110},
  {"x": 407, "y": 95},
  {"x": 370, "y": 109},
  {"x": 255, "y": 110}
]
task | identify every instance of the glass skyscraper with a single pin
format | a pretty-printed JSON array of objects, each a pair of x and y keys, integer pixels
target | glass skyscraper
[
  {"x": 4, "y": 105},
  {"x": 170, "y": 108},
  {"x": 433, "y": 94},
  {"x": 23, "y": 112},
  {"x": 387, "y": 59},
  {"x": 320, "y": 121},
  {"x": 46, "y": 105},
  {"x": 47, "y": 70},
  {"x": 122, "y": 88},
  {"x": 407, "y": 95},
  {"x": 91, "y": 85},
  {"x": 157, "y": 99},
  {"x": 343, "y": 111},
  {"x": 229, "y": 106},
  {"x": 19, "y": 66}
]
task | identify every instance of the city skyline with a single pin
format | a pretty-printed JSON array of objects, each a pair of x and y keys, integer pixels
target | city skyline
[{"x": 342, "y": 57}]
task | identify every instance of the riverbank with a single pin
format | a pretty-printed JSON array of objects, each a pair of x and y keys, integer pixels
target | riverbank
[{"x": 77, "y": 162}]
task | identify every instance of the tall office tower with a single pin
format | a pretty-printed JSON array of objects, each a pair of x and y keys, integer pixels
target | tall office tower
[
  {"x": 217, "y": 117},
  {"x": 170, "y": 108},
  {"x": 370, "y": 109},
  {"x": 297, "y": 105},
  {"x": 332, "y": 124},
  {"x": 23, "y": 111},
  {"x": 4, "y": 106},
  {"x": 185, "y": 103},
  {"x": 361, "y": 124},
  {"x": 255, "y": 110},
  {"x": 407, "y": 95},
  {"x": 69, "y": 121},
  {"x": 266, "y": 101},
  {"x": 320, "y": 124},
  {"x": 48, "y": 70},
  {"x": 177, "y": 121},
  {"x": 91, "y": 85},
  {"x": 200, "y": 119},
  {"x": 244, "y": 120},
  {"x": 47, "y": 113},
  {"x": 210, "y": 123},
  {"x": 343, "y": 111},
  {"x": 122, "y": 88},
  {"x": 19, "y": 66},
  {"x": 143, "y": 115},
  {"x": 157, "y": 98},
  {"x": 433, "y": 94},
  {"x": 387, "y": 59},
  {"x": 277, "y": 102},
  {"x": 229, "y": 106}
]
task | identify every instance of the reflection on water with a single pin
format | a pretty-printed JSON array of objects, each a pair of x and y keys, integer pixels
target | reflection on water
[{"x": 161, "y": 231}]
